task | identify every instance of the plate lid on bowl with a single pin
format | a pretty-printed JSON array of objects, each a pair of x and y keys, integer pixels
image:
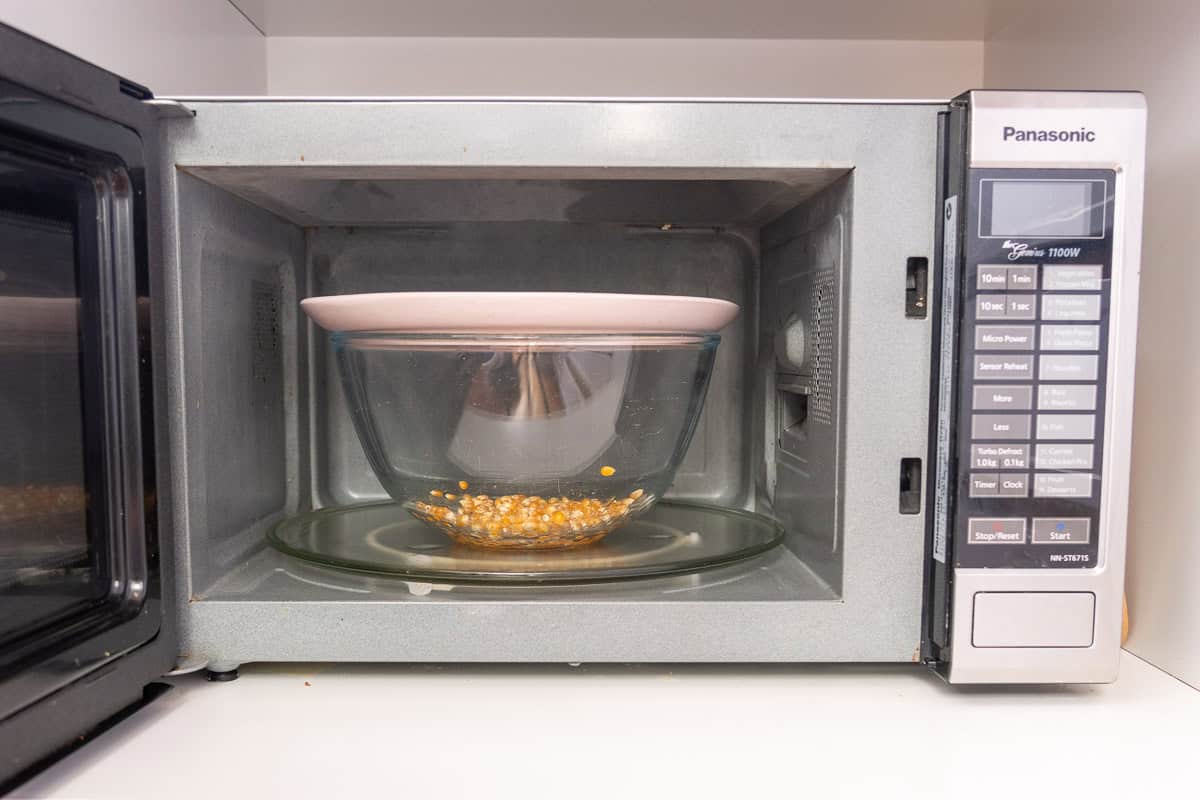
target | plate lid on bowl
[{"x": 519, "y": 312}]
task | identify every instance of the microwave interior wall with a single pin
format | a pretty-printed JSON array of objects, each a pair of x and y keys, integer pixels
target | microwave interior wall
[{"x": 814, "y": 234}]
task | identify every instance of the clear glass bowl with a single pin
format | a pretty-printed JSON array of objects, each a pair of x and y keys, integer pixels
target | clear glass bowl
[{"x": 530, "y": 442}]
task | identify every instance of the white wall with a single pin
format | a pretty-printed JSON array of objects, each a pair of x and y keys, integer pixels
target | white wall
[
  {"x": 621, "y": 67},
  {"x": 1155, "y": 48},
  {"x": 175, "y": 47}
]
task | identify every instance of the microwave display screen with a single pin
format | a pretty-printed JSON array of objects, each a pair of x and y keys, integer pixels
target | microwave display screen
[{"x": 1054, "y": 209}]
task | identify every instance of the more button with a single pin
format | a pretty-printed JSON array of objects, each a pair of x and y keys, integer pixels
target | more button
[{"x": 1002, "y": 398}]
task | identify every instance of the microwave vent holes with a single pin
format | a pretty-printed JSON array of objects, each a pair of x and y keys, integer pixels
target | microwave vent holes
[{"x": 821, "y": 341}]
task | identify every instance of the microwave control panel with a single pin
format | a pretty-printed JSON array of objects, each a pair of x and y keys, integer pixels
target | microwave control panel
[{"x": 1032, "y": 355}]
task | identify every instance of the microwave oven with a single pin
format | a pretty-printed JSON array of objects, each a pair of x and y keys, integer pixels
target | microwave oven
[{"x": 929, "y": 386}]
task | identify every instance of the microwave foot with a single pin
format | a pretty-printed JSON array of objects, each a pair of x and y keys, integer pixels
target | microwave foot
[{"x": 221, "y": 673}]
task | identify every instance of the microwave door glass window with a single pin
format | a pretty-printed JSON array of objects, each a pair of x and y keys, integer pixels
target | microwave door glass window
[{"x": 51, "y": 558}]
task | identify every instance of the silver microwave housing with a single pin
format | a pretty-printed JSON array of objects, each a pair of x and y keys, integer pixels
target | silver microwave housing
[{"x": 803, "y": 212}]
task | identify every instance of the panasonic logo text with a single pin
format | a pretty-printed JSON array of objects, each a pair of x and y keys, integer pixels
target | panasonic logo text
[{"x": 1038, "y": 135}]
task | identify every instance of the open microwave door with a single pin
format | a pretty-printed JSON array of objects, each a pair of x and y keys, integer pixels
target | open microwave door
[{"x": 82, "y": 565}]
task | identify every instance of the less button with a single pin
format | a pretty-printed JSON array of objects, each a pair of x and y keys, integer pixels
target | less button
[{"x": 999, "y": 426}]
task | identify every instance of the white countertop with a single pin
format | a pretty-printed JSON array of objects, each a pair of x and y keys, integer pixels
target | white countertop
[{"x": 640, "y": 731}]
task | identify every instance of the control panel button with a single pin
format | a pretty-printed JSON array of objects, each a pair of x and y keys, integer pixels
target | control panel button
[
  {"x": 1013, "y": 485},
  {"x": 1052, "y": 397},
  {"x": 1063, "y": 456},
  {"x": 999, "y": 426},
  {"x": 1068, "y": 368},
  {"x": 990, "y": 306},
  {"x": 1023, "y": 278},
  {"x": 1072, "y": 277},
  {"x": 992, "y": 277},
  {"x": 1004, "y": 337},
  {"x": 1003, "y": 367},
  {"x": 1002, "y": 530},
  {"x": 1002, "y": 398},
  {"x": 984, "y": 484},
  {"x": 1062, "y": 484},
  {"x": 1066, "y": 426},
  {"x": 1083, "y": 307},
  {"x": 1070, "y": 337},
  {"x": 1021, "y": 306},
  {"x": 999, "y": 456},
  {"x": 1061, "y": 531}
]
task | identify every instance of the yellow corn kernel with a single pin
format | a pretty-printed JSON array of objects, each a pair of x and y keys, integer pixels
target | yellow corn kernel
[
  {"x": 607, "y": 471},
  {"x": 436, "y": 492},
  {"x": 463, "y": 485}
]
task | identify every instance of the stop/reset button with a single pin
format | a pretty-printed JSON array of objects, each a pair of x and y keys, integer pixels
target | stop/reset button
[{"x": 1033, "y": 619}]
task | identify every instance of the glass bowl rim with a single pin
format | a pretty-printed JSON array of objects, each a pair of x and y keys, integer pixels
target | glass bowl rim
[{"x": 583, "y": 341}]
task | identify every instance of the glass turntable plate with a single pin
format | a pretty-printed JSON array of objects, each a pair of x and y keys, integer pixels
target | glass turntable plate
[{"x": 670, "y": 538}]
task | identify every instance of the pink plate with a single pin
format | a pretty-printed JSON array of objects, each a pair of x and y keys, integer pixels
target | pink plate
[{"x": 519, "y": 312}]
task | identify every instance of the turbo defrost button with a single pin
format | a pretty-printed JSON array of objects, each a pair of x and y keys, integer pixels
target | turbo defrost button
[
  {"x": 1061, "y": 531},
  {"x": 1072, "y": 277},
  {"x": 1001, "y": 530},
  {"x": 999, "y": 456},
  {"x": 1082, "y": 307}
]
